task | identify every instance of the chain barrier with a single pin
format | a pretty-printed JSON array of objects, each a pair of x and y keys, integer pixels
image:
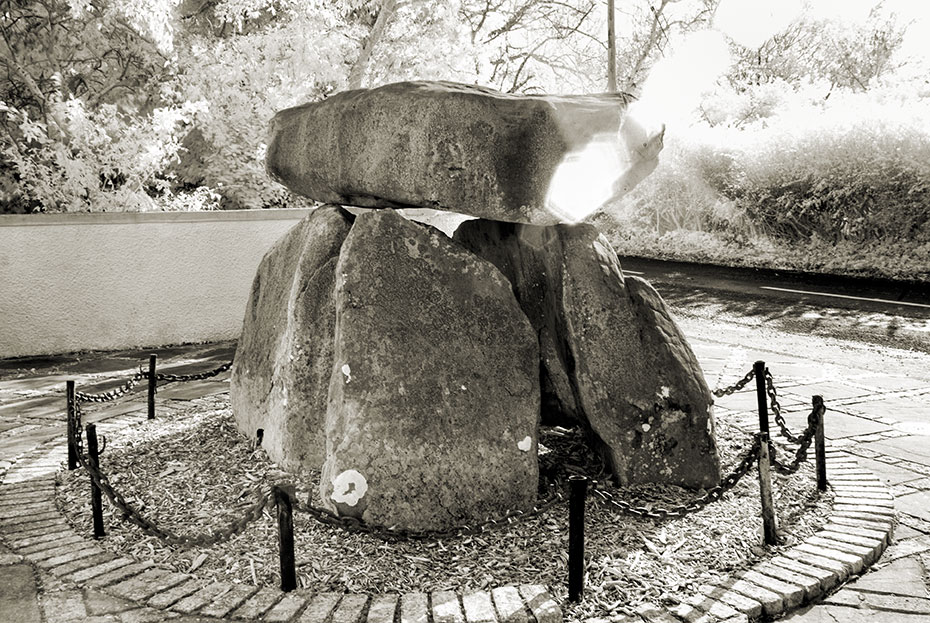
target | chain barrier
[
  {"x": 740, "y": 384},
  {"x": 190, "y": 377},
  {"x": 511, "y": 518},
  {"x": 776, "y": 409},
  {"x": 804, "y": 441},
  {"x": 113, "y": 394},
  {"x": 712, "y": 495},
  {"x": 132, "y": 515}
]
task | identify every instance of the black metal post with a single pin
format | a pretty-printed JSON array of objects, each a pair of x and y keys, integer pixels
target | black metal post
[
  {"x": 765, "y": 490},
  {"x": 96, "y": 502},
  {"x": 285, "y": 539},
  {"x": 759, "y": 370},
  {"x": 152, "y": 360},
  {"x": 820, "y": 448},
  {"x": 72, "y": 431},
  {"x": 578, "y": 492}
]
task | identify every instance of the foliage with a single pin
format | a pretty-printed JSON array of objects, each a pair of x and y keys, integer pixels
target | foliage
[{"x": 791, "y": 178}]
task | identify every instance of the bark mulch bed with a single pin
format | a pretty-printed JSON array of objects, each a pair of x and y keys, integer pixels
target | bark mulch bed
[{"x": 190, "y": 471}]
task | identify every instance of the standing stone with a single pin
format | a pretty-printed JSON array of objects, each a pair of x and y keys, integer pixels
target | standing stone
[
  {"x": 284, "y": 358},
  {"x": 434, "y": 402},
  {"x": 449, "y": 146},
  {"x": 612, "y": 353}
]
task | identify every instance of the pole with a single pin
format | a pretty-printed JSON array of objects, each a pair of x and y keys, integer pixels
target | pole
[
  {"x": 578, "y": 492},
  {"x": 820, "y": 448},
  {"x": 611, "y": 49},
  {"x": 285, "y": 539},
  {"x": 759, "y": 370},
  {"x": 96, "y": 503},
  {"x": 765, "y": 490},
  {"x": 72, "y": 429},
  {"x": 152, "y": 360}
]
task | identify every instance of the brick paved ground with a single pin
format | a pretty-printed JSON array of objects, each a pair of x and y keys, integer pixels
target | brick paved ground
[{"x": 879, "y": 426}]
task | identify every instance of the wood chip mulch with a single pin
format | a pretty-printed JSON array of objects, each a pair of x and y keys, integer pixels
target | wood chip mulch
[{"x": 190, "y": 471}]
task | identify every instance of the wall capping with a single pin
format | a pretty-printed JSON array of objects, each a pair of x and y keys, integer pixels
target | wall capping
[{"x": 128, "y": 218}]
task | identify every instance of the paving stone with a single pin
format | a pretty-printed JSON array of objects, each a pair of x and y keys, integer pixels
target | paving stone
[
  {"x": 118, "y": 574},
  {"x": 827, "y": 579},
  {"x": 350, "y": 609},
  {"x": 713, "y": 607},
  {"x": 63, "y": 606},
  {"x": 690, "y": 614},
  {"x": 792, "y": 594},
  {"x": 285, "y": 609},
  {"x": 228, "y": 601},
  {"x": 879, "y": 601},
  {"x": 862, "y": 510},
  {"x": 414, "y": 608},
  {"x": 146, "y": 584},
  {"x": 319, "y": 607},
  {"x": 651, "y": 614},
  {"x": 259, "y": 603},
  {"x": 901, "y": 577},
  {"x": 857, "y": 500},
  {"x": 867, "y": 554},
  {"x": 79, "y": 577},
  {"x": 82, "y": 563},
  {"x": 148, "y": 615},
  {"x": 509, "y": 605},
  {"x": 165, "y": 598},
  {"x": 201, "y": 598},
  {"x": 38, "y": 537},
  {"x": 540, "y": 603},
  {"x": 53, "y": 523},
  {"x": 478, "y": 607},
  {"x": 867, "y": 542},
  {"x": 446, "y": 607},
  {"x": 64, "y": 555},
  {"x": 99, "y": 603},
  {"x": 854, "y": 562},
  {"x": 906, "y": 548},
  {"x": 383, "y": 608},
  {"x": 845, "y": 614},
  {"x": 856, "y": 529},
  {"x": 916, "y": 504},
  {"x": 772, "y": 603},
  {"x": 18, "y": 594},
  {"x": 810, "y": 585},
  {"x": 66, "y": 538}
]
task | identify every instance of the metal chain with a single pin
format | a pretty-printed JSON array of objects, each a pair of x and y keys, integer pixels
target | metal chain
[
  {"x": 740, "y": 384},
  {"x": 712, "y": 495},
  {"x": 113, "y": 394},
  {"x": 190, "y": 377},
  {"x": 352, "y": 524},
  {"x": 263, "y": 496},
  {"x": 776, "y": 409},
  {"x": 800, "y": 455}
]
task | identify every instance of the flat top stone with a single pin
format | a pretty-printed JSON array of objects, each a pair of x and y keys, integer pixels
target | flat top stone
[{"x": 460, "y": 148}]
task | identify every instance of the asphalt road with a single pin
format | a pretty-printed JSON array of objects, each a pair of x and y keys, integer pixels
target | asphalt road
[{"x": 888, "y": 313}]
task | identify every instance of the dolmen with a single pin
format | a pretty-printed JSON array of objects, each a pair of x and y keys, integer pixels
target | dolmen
[{"x": 412, "y": 369}]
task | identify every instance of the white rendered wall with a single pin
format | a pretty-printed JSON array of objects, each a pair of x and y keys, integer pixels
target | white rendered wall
[{"x": 71, "y": 282}]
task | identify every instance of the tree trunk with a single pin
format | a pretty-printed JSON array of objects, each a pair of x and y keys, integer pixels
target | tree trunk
[{"x": 360, "y": 68}]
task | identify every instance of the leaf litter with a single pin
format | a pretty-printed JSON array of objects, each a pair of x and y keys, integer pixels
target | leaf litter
[{"x": 191, "y": 471}]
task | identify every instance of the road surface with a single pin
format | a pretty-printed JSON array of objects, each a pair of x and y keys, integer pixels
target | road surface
[{"x": 873, "y": 311}]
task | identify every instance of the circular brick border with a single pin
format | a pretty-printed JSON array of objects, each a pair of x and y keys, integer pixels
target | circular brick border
[{"x": 855, "y": 535}]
